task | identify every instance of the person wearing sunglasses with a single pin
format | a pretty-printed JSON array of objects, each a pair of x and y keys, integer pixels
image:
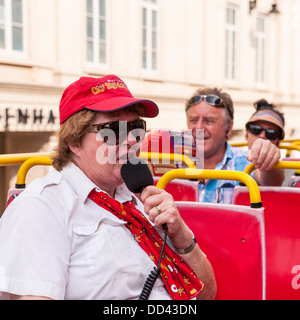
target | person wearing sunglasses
[
  {"x": 79, "y": 233},
  {"x": 266, "y": 123},
  {"x": 211, "y": 110}
]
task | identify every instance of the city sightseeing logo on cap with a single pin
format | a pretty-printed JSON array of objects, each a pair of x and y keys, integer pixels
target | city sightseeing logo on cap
[{"x": 109, "y": 85}]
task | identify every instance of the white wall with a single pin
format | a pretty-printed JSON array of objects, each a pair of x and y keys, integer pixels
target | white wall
[{"x": 191, "y": 48}]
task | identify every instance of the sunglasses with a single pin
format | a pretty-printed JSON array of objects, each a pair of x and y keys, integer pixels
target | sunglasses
[
  {"x": 210, "y": 99},
  {"x": 116, "y": 132},
  {"x": 256, "y": 129}
]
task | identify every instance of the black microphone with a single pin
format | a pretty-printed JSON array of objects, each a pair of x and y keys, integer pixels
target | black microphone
[{"x": 136, "y": 175}]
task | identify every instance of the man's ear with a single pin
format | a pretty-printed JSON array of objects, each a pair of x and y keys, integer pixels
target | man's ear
[{"x": 229, "y": 129}]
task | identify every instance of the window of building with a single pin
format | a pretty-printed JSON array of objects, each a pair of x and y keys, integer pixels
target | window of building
[
  {"x": 260, "y": 48},
  {"x": 231, "y": 42},
  {"x": 12, "y": 25},
  {"x": 150, "y": 35},
  {"x": 2, "y": 25},
  {"x": 97, "y": 31}
]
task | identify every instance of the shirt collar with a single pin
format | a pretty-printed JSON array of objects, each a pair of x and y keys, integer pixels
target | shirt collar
[
  {"x": 227, "y": 157},
  {"x": 122, "y": 194},
  {"x": 82, "y": 185}
]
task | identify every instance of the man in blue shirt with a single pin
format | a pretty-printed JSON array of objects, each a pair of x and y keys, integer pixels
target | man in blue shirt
[{"x": 211, "y": 110}]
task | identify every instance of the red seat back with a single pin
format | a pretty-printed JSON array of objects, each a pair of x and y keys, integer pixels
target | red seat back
[
  {"x": 282, "y": 223},
  {"x": 233, "y": 240},
  {"x": 181, "y": 189}
]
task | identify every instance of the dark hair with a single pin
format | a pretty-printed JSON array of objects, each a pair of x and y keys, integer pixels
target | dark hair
[
  {"x": 227, "y": 101},
  {"x": 263, "y": 104}
]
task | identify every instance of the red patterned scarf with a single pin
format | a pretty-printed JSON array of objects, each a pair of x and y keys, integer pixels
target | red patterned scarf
[{"x": 180, "y": 280}]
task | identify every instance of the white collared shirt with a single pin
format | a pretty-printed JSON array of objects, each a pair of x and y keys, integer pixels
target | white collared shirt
[{"x": 56, "y": 242}]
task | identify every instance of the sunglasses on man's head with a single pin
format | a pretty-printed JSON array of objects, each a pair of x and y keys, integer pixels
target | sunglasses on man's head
[
  {"x": 116, "y": 132},
  {"x": 271, "y": 134},
  {"x": 210, "y": 99}
]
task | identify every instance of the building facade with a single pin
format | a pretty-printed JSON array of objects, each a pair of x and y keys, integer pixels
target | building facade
[{"x": 163, "y": 49}]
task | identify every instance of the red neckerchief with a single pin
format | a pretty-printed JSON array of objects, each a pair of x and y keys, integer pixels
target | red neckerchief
[{"x": 180, "y": 280}]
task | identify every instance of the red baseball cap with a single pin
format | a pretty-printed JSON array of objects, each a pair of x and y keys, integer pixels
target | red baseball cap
[{"x": 105, "y": 94}]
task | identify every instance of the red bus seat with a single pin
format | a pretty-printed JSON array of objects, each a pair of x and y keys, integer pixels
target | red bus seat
[
  {"x": 282, "y": 221},
  {"x": 232, "y": 237},
  {"x": 182, "y": 189}
]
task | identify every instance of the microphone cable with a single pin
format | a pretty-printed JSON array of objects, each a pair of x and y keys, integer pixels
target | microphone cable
[{"x": 149, "y": 283}]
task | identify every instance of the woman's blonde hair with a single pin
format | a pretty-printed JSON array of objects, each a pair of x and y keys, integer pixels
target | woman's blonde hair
[{"x": 74, "y": 130}]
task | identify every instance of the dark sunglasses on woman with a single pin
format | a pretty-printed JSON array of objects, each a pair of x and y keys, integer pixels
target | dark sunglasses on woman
[
  {"x": 116, "y": 132},
  {"x": 256, "y": 129}
]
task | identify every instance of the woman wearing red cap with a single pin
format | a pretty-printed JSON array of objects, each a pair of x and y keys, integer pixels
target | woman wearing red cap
[{"x": 79, "y": 233}]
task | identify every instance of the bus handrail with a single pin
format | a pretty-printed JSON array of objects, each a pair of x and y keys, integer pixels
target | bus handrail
[
  {"x": 294, "y": 142},
  {"x": 168, "y": 156},
  {"x": 294, "y": 146},
  {"x": 18, "y": 158},
  {"x": 27, "y": 165},
  {"x": 289, "y": 148},
  {"x": 253, "y": 188},
  {"x": 278, "y": 165}
]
